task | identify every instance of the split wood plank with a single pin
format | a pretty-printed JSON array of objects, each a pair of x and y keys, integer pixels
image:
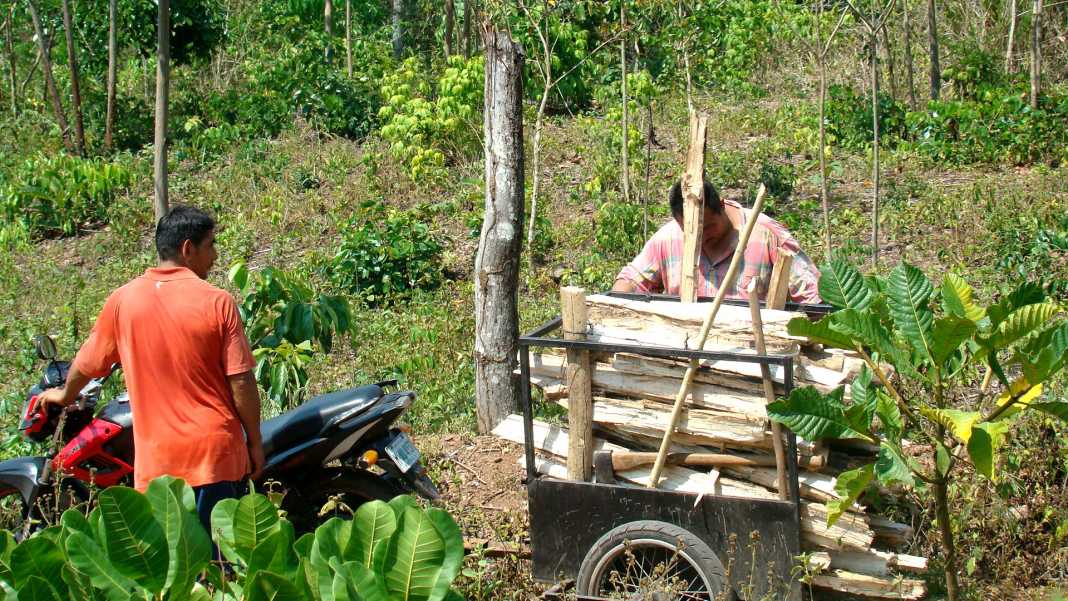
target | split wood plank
[
  {"x": 693, "y": 208},
  {"x": 579, "y": 387},
  {"x": 873, "y": 562},
  {"x": 701, "y": 426},
  {"x": 779, "y": 284},
  {"x": 769, "y": 393},
  {"x": 872, "y": 587}
]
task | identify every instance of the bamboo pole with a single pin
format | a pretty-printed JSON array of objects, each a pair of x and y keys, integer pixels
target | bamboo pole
[
  {"x": 769, "y": 390},
  {"x": 687, "y": 381}
]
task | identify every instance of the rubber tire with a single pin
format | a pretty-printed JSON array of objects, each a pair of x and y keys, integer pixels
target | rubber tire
[
  {"x": 302, "y": 504},
  {"x": 695, "y": 550}
]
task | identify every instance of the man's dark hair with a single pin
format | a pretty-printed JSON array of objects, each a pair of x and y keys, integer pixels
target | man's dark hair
[
  {"x": 712, "y": 201},
  {"x": 181, "y": 223}
]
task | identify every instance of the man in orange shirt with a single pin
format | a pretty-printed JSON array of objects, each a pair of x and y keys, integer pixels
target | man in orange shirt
[{"x": 188, "y": 367}]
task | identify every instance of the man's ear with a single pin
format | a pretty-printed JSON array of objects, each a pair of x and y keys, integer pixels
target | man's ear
[{"x": 186, "y": 248}]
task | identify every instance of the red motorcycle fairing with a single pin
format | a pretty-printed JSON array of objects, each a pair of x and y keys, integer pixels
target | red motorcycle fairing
[{"x": 85, "y": 458}]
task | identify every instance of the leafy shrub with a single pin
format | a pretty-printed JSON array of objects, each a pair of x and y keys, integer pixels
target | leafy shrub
[
  {"x": 849, "y": 118},
  {"x": 58, "y": 195},
  {"x": 1044, "y": 254},
  {"x": 618, "y": 229},
  {"x": 386, "y": 254},
  {"x": 284, "y": 319},
  {"x": 424, "y": 132},
  {"x": 973, "y": 71}
]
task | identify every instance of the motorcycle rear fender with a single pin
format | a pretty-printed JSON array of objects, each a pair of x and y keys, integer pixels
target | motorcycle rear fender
[{"x": 22, "y": 474}]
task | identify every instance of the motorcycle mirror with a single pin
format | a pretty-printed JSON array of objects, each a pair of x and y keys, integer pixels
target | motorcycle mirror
[{"x": 46, "y": 347}]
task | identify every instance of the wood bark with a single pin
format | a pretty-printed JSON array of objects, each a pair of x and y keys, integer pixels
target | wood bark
[
  {"x": 163, "y": 86},
  {"x": 910, "y": 71},
  {"x": 888, "y": 51},
  {"x": 44, "y": 48},
  {"x": 497, "y": 261},
  {"x": 779, "y": 285},
  {"x": 625, "y": 175},
  {"x": 468, "y": 14},
  {"x": 693, "y": 198},
  {"x": 1036, "y": 52},
  {"x": 875, "y": 587},
  {"x": 450, "y": 25},
  {"x": 328, "y": 26},
  {"x": 539, "y": 119},
  {"x": 348, "y": 37},
  {"x": 1010, "y": 46},
  {"x": 113, "y": 68},
  {"x": 75, "y": 83},
  {"x": 579, "y": 386},
  {"x": 398, "y": 20},
  {"x": 932, "y": 42},
  {"x": 769, "y": 392},
  {"x": 12, "y": 61}
]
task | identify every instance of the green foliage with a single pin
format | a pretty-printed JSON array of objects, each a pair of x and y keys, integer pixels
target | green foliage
[
  {"x": 285, "y": 320},
  {"x": 849, "y": 118},
  {"x": 386, "y": 254},
  {"x": 425, "y": 131},
  {"x": 58, "y": 195},
  {"x": 153, "y": 546},
  {"x": 618, "y": 229}
]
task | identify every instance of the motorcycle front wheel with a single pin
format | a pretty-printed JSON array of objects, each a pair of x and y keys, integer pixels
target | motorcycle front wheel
[{"x": 333, "y": 493}]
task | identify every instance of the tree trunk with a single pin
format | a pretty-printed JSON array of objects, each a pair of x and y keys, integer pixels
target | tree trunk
[
  {"x": 945, "y": 529},
  {"x": 824, "y": 195},
  {"x": 113, "y": 65},
  {"x": 467, "y": 28},
  {"x": 875, "y": 148},
  {"x": 626, "y": 123},
  {"x": 1010, "y": 47},
  {"x": 398, "y": 28},
  {"x": 932, "y": 40},
  {"x": 547, "y": 79},
  {"x": 75, "y": 85},
  {"x": 450, "y": 24},
  {"x": 163, "y": 84},
  {"x": 888, "y": 50},
  {"x": 328, "y": 26},
  {"x": 1036, "y": 52},
  {"x": 12, "y": 62},
  {"x": 497, "y": 261},
  {"x": 910, "y": 75},
  {"x": 348, "y": 37},
  {"x": 44, "y": 46}
]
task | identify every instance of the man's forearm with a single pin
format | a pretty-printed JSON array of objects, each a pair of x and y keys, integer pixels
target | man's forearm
[
  {"x": 76, "y": 381},
  {"x": 247, "y": 403}
]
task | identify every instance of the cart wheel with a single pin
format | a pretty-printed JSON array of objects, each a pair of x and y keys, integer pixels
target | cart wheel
[{"x": 651, "y": 561}]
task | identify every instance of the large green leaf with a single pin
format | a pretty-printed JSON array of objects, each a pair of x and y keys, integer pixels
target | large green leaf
[
  {"x": 332, "y": 538},
  {"x": 222, "y": 528},
  {"x": 454, "y": 551},
  {"x": 37, "y": 588},
  {"x": 1058, "y": 409},
  {"x": 357, "y": 582},
  {"x": 255, "y": 518},
  {"x": 849, "y": 486},
  {"x": 80, "y": 587},
  {"x": 949, "y": 333},
  {"x": 910, "y": 292},
  {"x": 266, "y": 586},
  {"x": 275, "y": 554},
  {"x": 813, "y": 415},
  {"x": 134, "y": 540},
  {"x": 819, "y": 332},
  {"x": 889, "y": 416},
  {"x": 37, "y": 556},
  {"x": 983, "y": 445},
  {"x": 7, "y": 545},
  {"x": 1027, "y": 293},
  {"x": 373, "y": 522},
  {"x": 1021, "y": 323},
  {"x": 891, "y": 466},
  {"x": 411, "y": 559},
  {"x": 86, "y": 556},
  {"x": 957, "y": 299},
  {"x": 843, "y": 286},
  {"x": 188, "y": 545},
  {"x": 958, "y": 423}
]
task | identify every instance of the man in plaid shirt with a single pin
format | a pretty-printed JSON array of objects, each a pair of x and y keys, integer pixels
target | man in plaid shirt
[{"x": 658, "y": 268}]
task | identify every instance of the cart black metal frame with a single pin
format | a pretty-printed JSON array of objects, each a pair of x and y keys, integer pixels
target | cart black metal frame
[{"x": 568, "y": 517}]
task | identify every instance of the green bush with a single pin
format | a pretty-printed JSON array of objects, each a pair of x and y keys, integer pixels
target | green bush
[
  {"x": 618, "y": 229},
  {"x": 849, "y": 118},
  {"x": 58, "y": 195},
  {"x": 385, "y": 254}
]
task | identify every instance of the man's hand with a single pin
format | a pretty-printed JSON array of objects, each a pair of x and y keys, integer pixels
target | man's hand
[
  {"x": 53, "y": 396},
  {"x": 256, "y": 458}
]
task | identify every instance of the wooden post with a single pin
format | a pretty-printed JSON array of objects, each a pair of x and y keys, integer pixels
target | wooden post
[
  {"x": 769, "y": 389},
  {"x": 779, "y": 286},
  {"x": 691, "y": 370},
  {"x": 496, "y": 275},
  {"x": 579, "y": 386},
  {"x": 163, "y": 85},
  {"x": 693, "y": 207}
]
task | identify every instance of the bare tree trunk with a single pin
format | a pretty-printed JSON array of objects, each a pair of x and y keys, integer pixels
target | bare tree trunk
[
  {"x": 75, "y": 85},
  {"x": 163, "y": 84},
  {"x": 875, "y": 148},
  {"x": 626, "y": 122},
  {"x": 945, "y": 529},
  {"x": 328, "y": 26},
  {"x": 547, "y": 81},
  {"x": 44, "y": 46},
  {"x": 348, "y": 37},
  {"x": 450, "y": 24},
  {"x": 113, "y": 66},
  {"x": 932, "y": 40},
  {"x": 12, "y": 61},
  {"x": 909, "y": 68},
  {"x": 467, "y": 28},
  {"x": 398, "y": 28},
  {"x": 888, "y": 49},
  {"x": 1036, "y": 52},
  {"x": 497, "y": 261},
  {"x": 1010, "y": 47},
  {"x": 824, "y": 194}
]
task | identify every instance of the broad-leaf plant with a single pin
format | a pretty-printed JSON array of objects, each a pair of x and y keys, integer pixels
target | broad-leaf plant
[{"x": 924, "y": 350}]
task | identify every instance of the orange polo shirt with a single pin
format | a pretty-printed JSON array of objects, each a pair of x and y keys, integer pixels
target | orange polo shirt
[{"x": 177, "y": 338}]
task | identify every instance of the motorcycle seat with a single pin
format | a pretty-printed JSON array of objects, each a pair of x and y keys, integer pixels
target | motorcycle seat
[{"x": 307, "y": 421}]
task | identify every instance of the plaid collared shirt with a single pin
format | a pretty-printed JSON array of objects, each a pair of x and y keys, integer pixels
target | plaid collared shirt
[{"x": 658, "y": 268}]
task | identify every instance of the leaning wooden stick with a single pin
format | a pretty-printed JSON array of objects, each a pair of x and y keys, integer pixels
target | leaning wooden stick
[
  {"x": 769, "y": 388},
  {"x": 687, "y": 381}
]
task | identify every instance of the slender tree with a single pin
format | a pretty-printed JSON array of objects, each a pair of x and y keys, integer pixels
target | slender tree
[
  {"x": 163, "y": 85},
  {"x": 12, "y": 61},
  {"x": 398, "y": 28},
  {"x": 888, "y": 53},
  {"x": 44, "y": 48},
  {"x": 75, "y": 83},
  {"x": 1036, "y": 52},
  {"x": 348, "y": 37},
  {"x": 113, "y": 68},
  {"x": 625, "y": 120},
  {"x": 910, "y": 75},
  {"x": 467, "y": 28},
  {"x": 328, "y": 25},
  {"x": 450, "y": 25},
  {"x": 1010, "y": 47},
  {"x": 932, "y": 41}
]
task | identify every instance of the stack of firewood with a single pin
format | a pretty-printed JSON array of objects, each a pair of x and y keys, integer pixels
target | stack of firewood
[{"x": 724, "y": 415}]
